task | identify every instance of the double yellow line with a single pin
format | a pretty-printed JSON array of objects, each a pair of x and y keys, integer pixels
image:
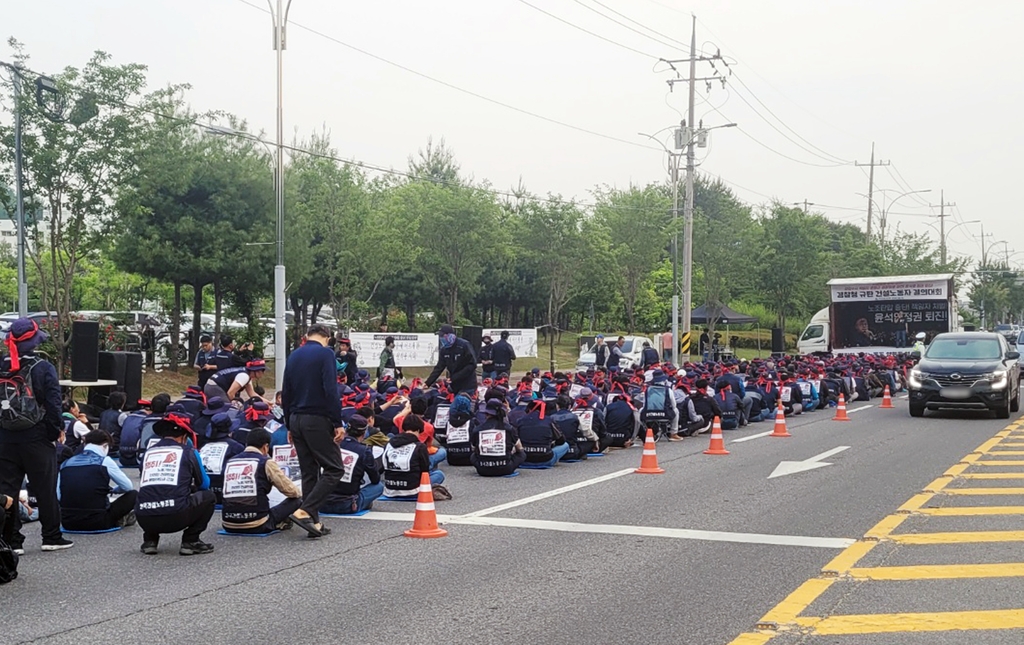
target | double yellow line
[{"x": 786, "y": 615}]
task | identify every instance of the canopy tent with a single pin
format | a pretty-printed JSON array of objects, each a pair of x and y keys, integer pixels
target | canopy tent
[{"x": 726, "y": 316}]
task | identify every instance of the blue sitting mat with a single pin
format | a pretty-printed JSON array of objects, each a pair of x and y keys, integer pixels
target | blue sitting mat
[
  {"x": 113, "y": 530},
  {"x": 359, "y": 514},
  {"x": 218, "y": 507},
  {"x": 534, "y": 466},
  {"x": 411, "y": 498},
  {"x": 223, "y": 532},
  {"x": 569, "y": 461},
  {"x": 514, "y": 473},
  {"x": 596, "y": 454}
]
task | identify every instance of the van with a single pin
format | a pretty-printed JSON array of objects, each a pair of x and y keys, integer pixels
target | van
[{"x": 816, "y": 335}]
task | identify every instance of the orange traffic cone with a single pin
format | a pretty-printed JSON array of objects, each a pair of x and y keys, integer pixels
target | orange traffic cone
[
  {"x": 780, "y": 423},
  {"x": 717, "y": 446},
  {"x": 424, "y": 524},
  {"x": 841, "y": 410},
  {"x": 649, "y": 460},
  {"x": 886, "y": 400}
]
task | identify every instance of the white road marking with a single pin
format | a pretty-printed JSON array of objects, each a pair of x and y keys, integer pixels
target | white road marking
[
  {"x": 753, "y": 436},
  {"x": 863, "y": 407},
  {"x": 792, "y": 467},
  {"x": 619, "y": 529},
  {"x": 550, "y": 493}
]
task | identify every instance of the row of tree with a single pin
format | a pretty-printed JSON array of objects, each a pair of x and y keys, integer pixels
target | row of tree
[{"x": 146, "y": 195}]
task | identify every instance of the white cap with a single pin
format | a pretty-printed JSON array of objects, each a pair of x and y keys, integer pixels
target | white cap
[{"x": 921, "y": 336}]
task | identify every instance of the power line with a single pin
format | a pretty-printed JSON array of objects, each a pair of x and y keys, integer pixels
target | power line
[
  {"x": 452, "y": 86},
  {"x": 903, "y": 183},
  {"x": 584, "y": 30},
  {"x": 785, "y": 156},
  {"x": 678, "y": 43}
]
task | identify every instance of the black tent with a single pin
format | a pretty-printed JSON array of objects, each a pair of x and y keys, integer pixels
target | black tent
[{"x": 726, "y": 316}]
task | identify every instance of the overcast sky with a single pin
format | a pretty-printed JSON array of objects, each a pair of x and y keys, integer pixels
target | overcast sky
[{"x": 935, "y": 84}]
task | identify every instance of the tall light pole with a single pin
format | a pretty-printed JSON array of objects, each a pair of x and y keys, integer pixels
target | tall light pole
[
  {"x": 19, "y": 195},
  {"x": 280, "y": 20}
]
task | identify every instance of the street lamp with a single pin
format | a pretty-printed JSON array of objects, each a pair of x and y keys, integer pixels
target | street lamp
[
  {"x": 280, "y": 19},
  {"x": 943, "y": 237},
  {"x": 885, "y": 212}
]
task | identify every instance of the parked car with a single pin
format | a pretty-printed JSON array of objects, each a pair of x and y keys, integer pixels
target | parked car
[
  {"x": 631, "y": 349},
  {"x": 41, "y": 317},
  {"x": 967, "y": 371}
]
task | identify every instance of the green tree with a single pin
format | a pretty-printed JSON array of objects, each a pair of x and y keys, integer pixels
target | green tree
[{"x": 790, "y": 264}]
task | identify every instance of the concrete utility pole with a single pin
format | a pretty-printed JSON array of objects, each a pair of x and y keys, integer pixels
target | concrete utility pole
[
  {"x": 805, "y": 205},
  {"x": 280, "y": 18},
  {"x": 19, "y": 196},
  {"x": 942, "y": 224},
  {"x": 871, "y": 181}
]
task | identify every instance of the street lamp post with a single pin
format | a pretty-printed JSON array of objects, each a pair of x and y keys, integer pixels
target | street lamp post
[{"x": 280, "y": 20}]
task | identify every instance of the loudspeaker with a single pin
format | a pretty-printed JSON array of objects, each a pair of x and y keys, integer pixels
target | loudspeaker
[
  {"x": 133, "y": 377},
  {"x": 474, "y": 335},
  {"x": 778, "y": 341},
  {"x": 111, "y": 367},
  {"x": 85, "y": 348}
]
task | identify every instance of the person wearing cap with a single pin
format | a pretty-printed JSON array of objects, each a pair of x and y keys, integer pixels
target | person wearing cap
[
  {"x": 386, "y": 366},
  {"x": 405, "y": 460},
  {"x": 312, "y": 409},
  {"x": 346, "y": 358},
  {"x": 237, "y": 382},
  {"x": 249, "y": 477},
  {"x": 174, "y": 490},
  {"x": 30, "y": 451},
  {"x": 487, "y": 358},
  {"x": 217, "y": 450},
  {"x": 541, "y": 438},
  {"x": 497, "y": 450},
  {"x": 502, "y": 355},
  {"x": 729, "y": 403},
  {"x": 206, "y": 359},
  {"x": 705, "y": 409},
  {"x": 456, "y": 356},
  {"x": 361, "y": 484},
  {"x": 622, "y": 422},
  {"x": 113, "y": 418},
  {"x": 131, "y": 432},
  {"x": 83, "y": 485},
  {"x": 919, "y": 345},
  {"x": 568, "y": 425}
]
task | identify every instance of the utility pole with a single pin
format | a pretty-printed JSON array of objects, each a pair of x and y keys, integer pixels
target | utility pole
[
  {"x": 674, "y": 165},
  {"x": 984, "y": 273},
  {"x": 19, "y": 196},
  {"x": 280, "y": 20},
  {"x": 805, "y": 204},
  {"x": 942, "y": 224},
  {"x": 871, "y": 181},
  {"x": 687, "y": 137}
]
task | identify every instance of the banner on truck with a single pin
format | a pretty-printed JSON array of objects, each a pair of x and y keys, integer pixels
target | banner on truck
[
  {"x": 411, "y": 350},
  {"x": 921, "y": 290},
  {"x": 888, "y": 323},
  {"x": 524, "y": 341}
]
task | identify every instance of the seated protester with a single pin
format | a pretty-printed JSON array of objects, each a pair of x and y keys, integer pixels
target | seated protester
[
  {"x": 496, "y": 448},
  {"x": 706, "y": 408},
  {"x": 63, "y": 452},
  {"x": 834, "y": 385},
  {"x": 217, "y": 450},
  {"x": 256, "y": 415},
  {"x": 863, "y": 391},
  {"x": 112, "y": 418},
  {"x": 148, "y": 436},
  {"x": 235, "y": 382},
  {"x": 759, "y": 411},
  {"x": 174, "y": 490},
  {"x": 621, "y": 422},
  {"x": 730, "y": 404},
  {"x": 523, "y": 401},
  {"x": 540, "y": 437},
  {"x": 850, "y": 387},
  {"x": 193, "y": 401},
  {"x": 76, "y": 424},
  {"x": 770, "y": 392},
  {"x": 438, "y": 411},
  {"x": 461, "y": 425},
  {"x": 791, "y": 395},
  {"x": 597, "y": 434},
  {"x": 405, "y": 460},
  {"x": 808, "y": 394},
  {"x": 418, "y": 407},
  {"x": 249, "y": 477},
  {"x": 385, "y": 414},
  {"x": 568, "y": 425},
  {"x": 84, "y": 483},
  {"x": 131, "y": 434},
  {"x": 361, "y": 484}
]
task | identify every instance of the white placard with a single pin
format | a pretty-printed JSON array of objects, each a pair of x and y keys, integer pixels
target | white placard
[
  {"x": 411, "y": 350},
  {"x": 919, "y": 290},
  {"x": 213, "y": 455},
  {"x": 574, "y": 390},
  {"x": 524, "y": 341},
  {"x": 492, "y": 443},
  {"x": 286, "y": 457},
  {"x": 240, "y": 478},
  {"x": 161, "y": 466},
  {"x": 441, "y": 417},
  {"x": 586, "y": 418}
]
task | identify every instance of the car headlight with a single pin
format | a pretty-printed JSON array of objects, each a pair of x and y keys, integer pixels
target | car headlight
[
  {"x": 915, "y": 378},
  {"x": 998, "y": 379}
]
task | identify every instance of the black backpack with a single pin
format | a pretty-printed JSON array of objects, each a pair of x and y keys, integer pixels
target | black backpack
[
  {"x": 659, "y": 405},
  {"x": 8, "y": 561},
  {"x": 19, "y": 409}
]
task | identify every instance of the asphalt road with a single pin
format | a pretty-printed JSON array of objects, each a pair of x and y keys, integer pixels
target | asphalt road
[{"x": 700, "y": 554}]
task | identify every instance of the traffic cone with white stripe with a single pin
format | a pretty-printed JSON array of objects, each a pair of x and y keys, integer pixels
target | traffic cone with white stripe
[
  {"x": 780, "y": 423},
  {"x": 886, "y": 400},
  {"x": 424, "y": 524},
  {"x": 717, "y": 446},
  {"x": 841, "y": 410},
  {"x": 649, "y": 460}
]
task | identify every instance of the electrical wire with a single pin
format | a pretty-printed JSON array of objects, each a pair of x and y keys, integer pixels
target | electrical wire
[
  {"x": 903, "y": 182},
  {"x": 584, "y": 30},
  {"x": 678, "y": 43}
]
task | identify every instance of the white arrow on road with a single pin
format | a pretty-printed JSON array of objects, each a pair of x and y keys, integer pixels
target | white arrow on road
[{"x": 791, "y": 467}]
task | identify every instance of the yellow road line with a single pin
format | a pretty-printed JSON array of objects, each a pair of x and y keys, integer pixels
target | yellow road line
[
  {"x": 1003, "y": 462},
  {"x": 923, "y": 622},
  {"x": 964, "y": 511},
  {"x": 1012, "y": 453},
  {"x": 939, "y": 572},
  {"x": 963, "y": 537},
  {"x": 787, "y": 610},
  {"x": 886, "y": 526},
  {"x": 917, "y": 501},
  {"x": 983, "y": 491},
  {"x": 1011, "y": 444},
  {"x": 849, "y": 557},
  {"x": 993, "y": 475},
  {"x": 752, "y": 638}
]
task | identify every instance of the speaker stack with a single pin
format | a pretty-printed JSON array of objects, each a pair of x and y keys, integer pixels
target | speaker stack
[
  {"x": 474, "y": 335},
  {"x": 85, "y": 348}
]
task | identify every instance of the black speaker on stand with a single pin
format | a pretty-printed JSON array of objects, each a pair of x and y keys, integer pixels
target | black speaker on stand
[
  {"x": 85, "y": 350},
  {"x": 474, "y": 335},
  {"x": 133, "y": 377},
  {"x": 778, "y": 341}
]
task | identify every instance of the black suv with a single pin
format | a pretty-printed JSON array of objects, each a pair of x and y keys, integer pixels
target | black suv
[{"x": 967, "y": 371}]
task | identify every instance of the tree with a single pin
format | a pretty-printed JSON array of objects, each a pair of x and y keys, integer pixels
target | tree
[{"x": 790, "y": 262}]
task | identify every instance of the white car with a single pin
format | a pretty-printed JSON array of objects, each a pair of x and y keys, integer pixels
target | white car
[{"x": 632, "y": 348}]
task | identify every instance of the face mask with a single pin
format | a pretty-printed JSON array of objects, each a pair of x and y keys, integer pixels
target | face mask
[
  {"x": 447, "y": 340},
  {"x": 104, "y": 450}
]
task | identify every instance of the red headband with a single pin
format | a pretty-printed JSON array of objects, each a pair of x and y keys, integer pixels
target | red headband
[{"x": 12, "y": 345}]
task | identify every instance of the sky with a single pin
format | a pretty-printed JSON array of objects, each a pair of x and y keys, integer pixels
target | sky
[{"x": 934, "y": 85}]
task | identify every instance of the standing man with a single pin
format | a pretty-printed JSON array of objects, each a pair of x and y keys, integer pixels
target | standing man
[
  {"x": 615, "y": 355},
  {"x": 503, "y": 354},
  {"x": 205, "y": 361},
  {"x": 386, "y": 367},
  {"x": 26, "y": 443},
  {"x": 666, "y": 346},
  {"x": 456, "y": 356},
  {"x": 487, "y": 358},
  {"x": 600, "y": 352},
  {"x": 705, "y": 344},
  {"x": 309, "y": 397}
]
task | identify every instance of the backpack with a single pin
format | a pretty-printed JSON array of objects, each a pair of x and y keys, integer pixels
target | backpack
[
  {"x": 659, "y": 405},
  {"x": 19, "y": 409},
  {"x": 8, "y": 562}
]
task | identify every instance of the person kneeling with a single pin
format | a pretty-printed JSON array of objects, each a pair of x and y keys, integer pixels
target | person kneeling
[
  {"x": 405, "y": 460},
  {"x": 361, "y": 484},
  {"x": 496, "y": 448},
  {"x": 174, "y": 490},
  {"x": 542, "y": 440},
  {"x": 248, "y": 479},
  {"x": 84, "y": 483}
]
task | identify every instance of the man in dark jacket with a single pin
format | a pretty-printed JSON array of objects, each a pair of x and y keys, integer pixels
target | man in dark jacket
[
  {"x": 502, "y": 355},
  {"x": 457, "y": 357},
  {"x": 648, "y": 357},
  {"x": 600, "y": 352},
  {"x": 31, "y": 451},
  {"x": 487, "y": 358},
  {"x": 361, "y": 484}
]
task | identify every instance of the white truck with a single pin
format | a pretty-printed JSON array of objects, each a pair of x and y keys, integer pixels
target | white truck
[{"x": 882, "y": 314}]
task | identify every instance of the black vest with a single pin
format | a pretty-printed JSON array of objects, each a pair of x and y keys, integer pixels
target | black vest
[
  {"x": 168, "y": 471},
  {"x": 356, "y": 458},
  {"x": 84, "y": 483},
  {"x": 569, "y": 425},
  {"x": 619, "y": 421},
  {"x": 401, "y": 469},
  {"x": 537, "y": 438},
  {"x": 246, "y": 488},
  {"x": 459, "y": 442},
  {"x": 225, "y": 378},
  {"x": 492, "y": 446}
]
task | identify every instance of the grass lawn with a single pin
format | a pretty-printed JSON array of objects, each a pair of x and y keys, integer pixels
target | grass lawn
[{"x": 154, "y": 382}]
